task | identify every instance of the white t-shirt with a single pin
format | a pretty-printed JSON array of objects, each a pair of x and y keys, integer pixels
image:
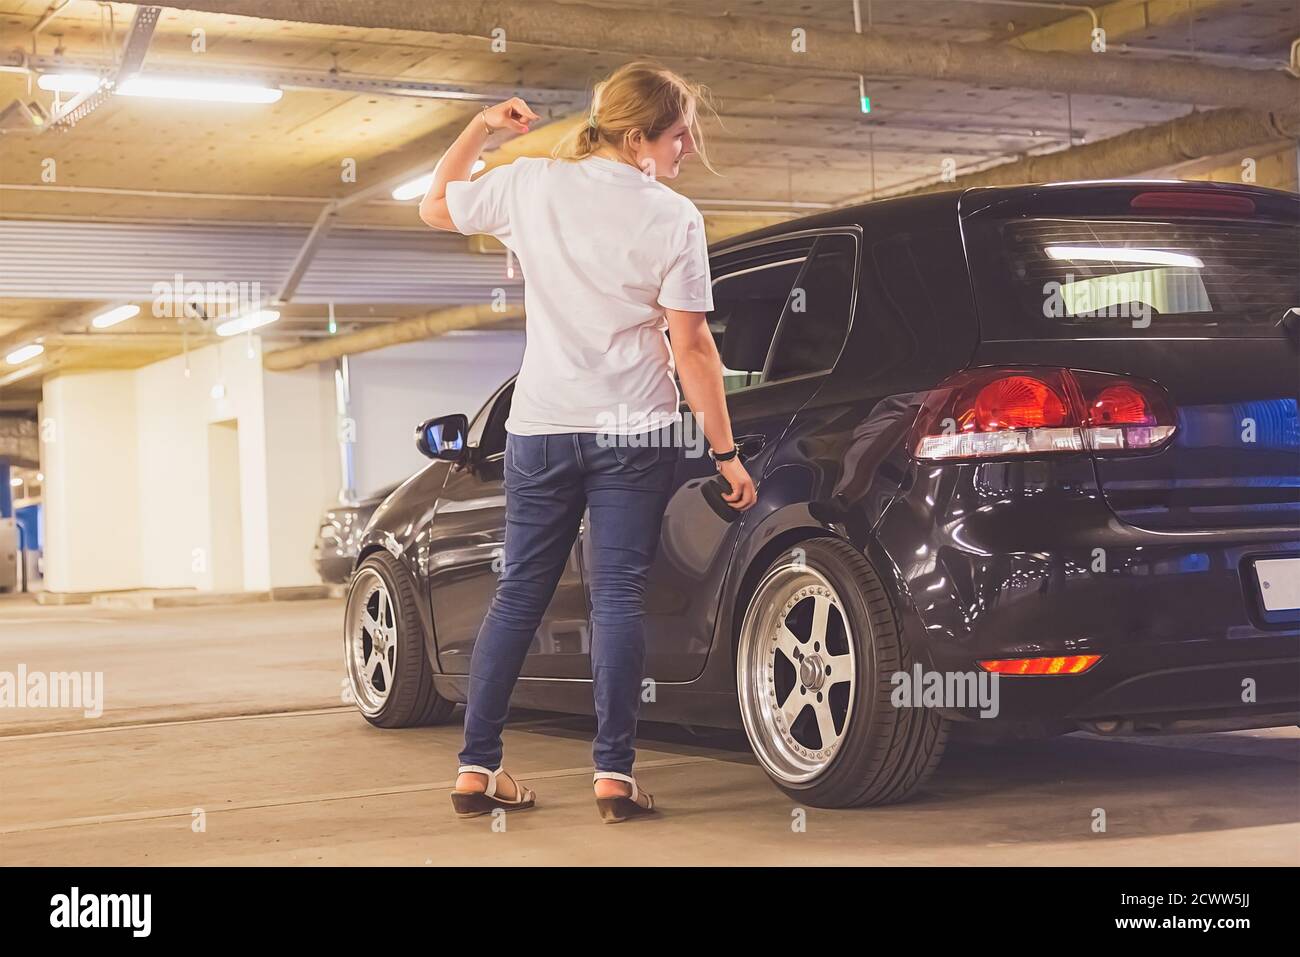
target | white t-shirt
[{"x": 603, "y": 250}]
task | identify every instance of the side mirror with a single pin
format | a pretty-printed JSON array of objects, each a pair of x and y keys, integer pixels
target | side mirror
[{"x": 443, "y": 437}]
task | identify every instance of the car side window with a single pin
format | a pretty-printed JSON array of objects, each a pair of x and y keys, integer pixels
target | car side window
[
  {"x": 493, "y": 441},
  {"x": 816, "y": 322},
  {"x": 749, "y": 295}
]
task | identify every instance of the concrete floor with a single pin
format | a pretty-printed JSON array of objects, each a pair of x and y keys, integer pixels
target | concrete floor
[{"x": 235, "y": 713}]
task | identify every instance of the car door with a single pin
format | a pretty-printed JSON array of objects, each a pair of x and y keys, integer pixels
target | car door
[
  {"x": 462, "y": 553},
  {"x": 764, "y": 293}
]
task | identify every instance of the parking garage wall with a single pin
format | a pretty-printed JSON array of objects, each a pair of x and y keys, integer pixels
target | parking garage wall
[
  {"x": 145, "y": 469},
  {"x": 177, "y": 485},
  {"x": 397, "y": 388}
]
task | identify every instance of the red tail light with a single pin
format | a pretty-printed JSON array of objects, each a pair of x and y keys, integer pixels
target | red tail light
[
  {"x": 993, "y": 413},
  {"x": 1065, "y": 665},
  {"x": 1120, "y": 413},
  {"x": 1121, "y": 403},
  {"x": 1018, "y": 402},
  {"x": 1195, "y": 202}
]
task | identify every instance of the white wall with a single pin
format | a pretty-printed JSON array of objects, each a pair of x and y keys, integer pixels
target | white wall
[
  {"x": 173, "y": 411},
  {"x": 129, "y": 500},
  {"x": 395, "y": 389},
  {"x": 88, "y": 455},
  {"x": 302, "y": 467}
]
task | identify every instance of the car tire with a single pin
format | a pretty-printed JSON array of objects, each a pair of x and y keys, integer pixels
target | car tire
[
  {"x": 839, "y": 742},
  {"x": 388, "y": 671}
]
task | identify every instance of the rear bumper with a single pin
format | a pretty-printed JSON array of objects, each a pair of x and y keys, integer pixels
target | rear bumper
[
  {"x": 1010, "y": 562},
  {"x": 1158, "y": 689}
]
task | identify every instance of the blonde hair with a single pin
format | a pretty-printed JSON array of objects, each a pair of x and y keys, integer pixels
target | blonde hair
[{"x": 643, "y": 95}]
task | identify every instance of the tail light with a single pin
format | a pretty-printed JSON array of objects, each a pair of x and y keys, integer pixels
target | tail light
[
  {"x": 992, "y": 413},
  {"x": 1063, "y": 665},
  {"x": 1194, "y": 202}
]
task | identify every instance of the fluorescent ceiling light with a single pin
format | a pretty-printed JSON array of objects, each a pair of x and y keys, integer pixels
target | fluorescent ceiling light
[
  {"x": 22, "y": 354},
  {"x": 172, "y": 88},
  {"x": 68, "y": 82},
  {"x": 164, "y": 87},
  {"x": 1115, "y": 254},
  {"x": 15, "y": 481},
  {"x": 253, "y": 320},
  {"x": 416, "y": 188},
  {"x": 114, "y": 316}
]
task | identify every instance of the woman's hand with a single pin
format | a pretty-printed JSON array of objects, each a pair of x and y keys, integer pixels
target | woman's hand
[
  {"x": 513, "y": 113},
  {"x": 742, "y": 494}
]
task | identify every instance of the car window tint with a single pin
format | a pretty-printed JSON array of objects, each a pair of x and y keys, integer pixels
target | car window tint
[
  {"x": 1182, "y": 278},
  {"x": 494, "y": 432},
  {"x": 817, "y": 319},
  {"x": 749, "y": 296}
]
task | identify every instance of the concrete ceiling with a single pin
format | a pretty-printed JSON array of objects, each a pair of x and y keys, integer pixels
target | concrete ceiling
[{"x": 792, "y": 138}]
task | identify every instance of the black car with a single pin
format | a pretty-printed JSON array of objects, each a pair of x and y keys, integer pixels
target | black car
[
  {"x": 1043, "y": 433},
  {"x": 338, "y": 540}
]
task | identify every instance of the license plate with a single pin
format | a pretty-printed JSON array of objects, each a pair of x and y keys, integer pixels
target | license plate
[{"x": 1279, "y": 583}]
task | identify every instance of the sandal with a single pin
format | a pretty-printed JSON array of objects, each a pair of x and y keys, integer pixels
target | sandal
[
  {"x": 615, "y": 809},
  {"x": 474, "y": 803}
]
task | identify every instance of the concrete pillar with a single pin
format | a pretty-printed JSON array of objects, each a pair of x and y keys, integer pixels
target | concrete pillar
[
  {"x": 91, "y": 491},
  {"x": 302, "y": 468}
]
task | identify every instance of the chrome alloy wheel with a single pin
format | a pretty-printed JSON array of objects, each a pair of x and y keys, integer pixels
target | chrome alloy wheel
[
  {"x": 370, "y": 640},
  {"x": 795, "y": 672}
]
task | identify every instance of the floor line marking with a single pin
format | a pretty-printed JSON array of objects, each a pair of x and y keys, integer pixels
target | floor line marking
[
  {"x": 343, "y": 709},
  {"x": 129, "y": 816},
  {"x": 136, "y": 726}
]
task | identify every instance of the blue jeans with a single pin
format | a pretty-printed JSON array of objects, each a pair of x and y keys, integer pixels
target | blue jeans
[{"x": 549, "y": 481}]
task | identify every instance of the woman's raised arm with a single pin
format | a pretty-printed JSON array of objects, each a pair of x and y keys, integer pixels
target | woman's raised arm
[{"x": 458, "y": 161}]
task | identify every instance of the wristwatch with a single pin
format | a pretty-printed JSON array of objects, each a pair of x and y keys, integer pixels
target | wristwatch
[{"x": 724, "y": 456}]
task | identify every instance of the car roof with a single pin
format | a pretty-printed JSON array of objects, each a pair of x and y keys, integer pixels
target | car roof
[
  {"x": 858, "y": 213},
  {"x": 926, "y": 205}
]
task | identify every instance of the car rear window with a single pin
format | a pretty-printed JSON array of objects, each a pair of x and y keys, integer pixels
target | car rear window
[{"x": 1070, "y": 276}]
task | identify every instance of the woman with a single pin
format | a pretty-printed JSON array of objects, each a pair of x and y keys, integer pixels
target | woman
[{"x": 612, "y": 259}]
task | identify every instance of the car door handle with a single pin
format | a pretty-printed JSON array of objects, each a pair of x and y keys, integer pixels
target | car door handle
[{"x": 750, "y": 445}]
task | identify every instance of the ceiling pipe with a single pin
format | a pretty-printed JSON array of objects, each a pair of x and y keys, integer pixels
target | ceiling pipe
[
  {"x": 766, "y": 42},
  {"x": 427, "y": 326},
  {"x": 1190, "y": 137}
]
